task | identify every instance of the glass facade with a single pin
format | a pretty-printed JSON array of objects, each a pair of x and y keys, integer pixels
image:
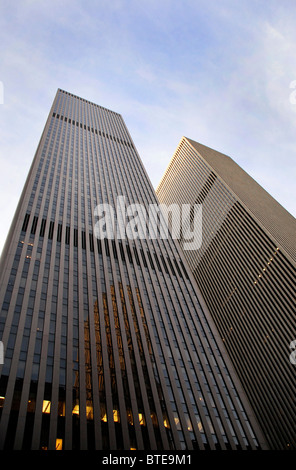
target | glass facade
[{"x": 108, "y": 343}]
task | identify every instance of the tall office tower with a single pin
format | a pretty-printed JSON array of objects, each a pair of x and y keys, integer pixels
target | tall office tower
[
  {"x": 245, "y": 269},
  {"x": 108, "y": 344}
]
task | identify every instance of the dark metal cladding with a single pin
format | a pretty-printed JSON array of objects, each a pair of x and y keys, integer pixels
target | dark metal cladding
[{"x": 108, "y": 343}]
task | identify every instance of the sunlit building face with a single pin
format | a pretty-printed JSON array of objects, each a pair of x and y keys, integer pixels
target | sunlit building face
[{"x": 245, "y": 269}]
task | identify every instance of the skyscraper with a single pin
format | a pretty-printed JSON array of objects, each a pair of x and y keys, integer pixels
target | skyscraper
[
  {"x": 246, "y": 271},
  {"x": 108, "y": 343}
]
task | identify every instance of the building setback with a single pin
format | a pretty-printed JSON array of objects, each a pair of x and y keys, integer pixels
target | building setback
[
  {"x": 245, "y": 269},
  {"x": 108, "y": 343}
]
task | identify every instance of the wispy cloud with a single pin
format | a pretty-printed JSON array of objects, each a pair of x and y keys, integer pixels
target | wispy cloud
[{"x": 218, "y": 72}]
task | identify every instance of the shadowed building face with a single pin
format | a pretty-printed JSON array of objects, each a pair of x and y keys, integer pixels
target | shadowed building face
[{"x": 108, "y": 343}]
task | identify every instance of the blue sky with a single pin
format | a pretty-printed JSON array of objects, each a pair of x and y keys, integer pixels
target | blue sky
[{"x": 216, "y": 71}]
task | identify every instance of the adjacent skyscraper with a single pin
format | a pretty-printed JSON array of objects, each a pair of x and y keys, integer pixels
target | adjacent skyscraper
[
  {"x": 246, "y": 271},
  {"x": 108, "y": 343}
]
